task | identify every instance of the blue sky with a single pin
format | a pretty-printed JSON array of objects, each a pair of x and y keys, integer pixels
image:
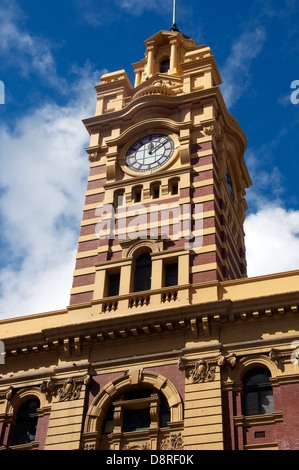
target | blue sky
[{"x": 52, "y": 53}]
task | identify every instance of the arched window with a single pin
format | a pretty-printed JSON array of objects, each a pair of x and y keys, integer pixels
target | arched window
[
  {"x": 127, "y": 403},
  {"x": 257, "y": 392},
  {"x": 25, "y": 428},
  {"x": 143, "y": 273}
]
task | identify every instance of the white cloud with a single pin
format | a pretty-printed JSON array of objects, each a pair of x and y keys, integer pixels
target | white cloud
[
  {"x": 236, "y": 70},
  {"x": 44, "y": 170},
  {"x": 272, "y": 231},
  {"x": 272, "y": 241}
]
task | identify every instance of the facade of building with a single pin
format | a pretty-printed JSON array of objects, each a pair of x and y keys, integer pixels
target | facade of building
[{"x": 166, "y": 343}]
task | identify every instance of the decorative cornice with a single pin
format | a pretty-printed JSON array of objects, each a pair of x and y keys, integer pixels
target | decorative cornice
[{"x": 200, "y": 318}]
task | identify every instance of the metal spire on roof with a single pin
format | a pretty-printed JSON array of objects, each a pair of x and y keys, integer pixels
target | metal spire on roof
[{"x": 174, "y": 26}]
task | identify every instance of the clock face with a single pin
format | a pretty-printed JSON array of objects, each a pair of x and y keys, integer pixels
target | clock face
[{"x": 150, "y": 152}]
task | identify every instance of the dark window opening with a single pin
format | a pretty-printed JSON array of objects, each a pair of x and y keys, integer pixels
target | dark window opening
[
  {"x": 119, "y": 199},
  {"x": 171, "y": 275},
  {"x": 174, "y": 189},
  {"x": 156, "y": 193},
  {"x": 165, "y": 66},
  {"x": 143, "y": 273},
  {"x": 113, "y": 288},
  {"x": 137, "y": 192},
  {"x": 257, "y": 393},
  {"x": 164, "y": 412},
  {"x": 137, "y": 417},
  {"x": 229, "y": 184},
  {"x": 108, "y": 424},
  {"x": 136, "y": 394},
  {"x": 136, "y": 420},
  {"x": 26, "y": 423}
]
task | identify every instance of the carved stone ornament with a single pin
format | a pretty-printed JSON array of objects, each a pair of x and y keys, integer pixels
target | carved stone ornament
[
  {"x": 165, "y": 83},
  {"x": 68, "y": 390},
  {"x": 175, "y": 441},
  {"x": 49, "y": 387},
  {"x": 90, "y": 446},
  {"x": 209, "y": 130},
  {"x": 279, "y": 356},
  {"x": 6, "y": 394},
  {"x": 204, "y": 371},
  {"x": 93, "y": 157},
  {"x": 133, "y": 446},
  {"x": 201, "y": 371}
]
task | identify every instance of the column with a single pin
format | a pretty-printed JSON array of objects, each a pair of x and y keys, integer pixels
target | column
[
  {"x": 150, "y": 61},
  {"x": 174, "y": 56}
]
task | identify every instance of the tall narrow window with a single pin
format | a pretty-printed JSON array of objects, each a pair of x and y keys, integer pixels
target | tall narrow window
[
  {"x": 119, "y": 199},
  {"x": 165, "y": 66},
  {"x": 156, "y": 192},
  {"x": 138, "y": 196},
  {"x": 174, "y": 187},
  {"x": 143, "y": 273},
  {"x": 26, "y": 423},
  {"x": 113, "y": 287},
  {"x": 171, "y": 274},
  {"x": 229, "y": 184},
  {"x": 257, "y": 393}
]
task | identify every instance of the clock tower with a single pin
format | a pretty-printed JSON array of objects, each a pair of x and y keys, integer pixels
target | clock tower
[{"x": 165, "y": 205}]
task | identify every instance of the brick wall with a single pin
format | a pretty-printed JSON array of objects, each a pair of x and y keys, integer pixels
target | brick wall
[{"x": 285, "y": 433}]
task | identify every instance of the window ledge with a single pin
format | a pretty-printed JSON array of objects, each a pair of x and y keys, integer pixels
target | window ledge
[
  {"x": 257, "y": 420},
  {"x": 265, "y": 446},
  {"x": 31, "y": 446}
]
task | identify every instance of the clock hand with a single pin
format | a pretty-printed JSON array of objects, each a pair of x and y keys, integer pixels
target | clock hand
[
  {"x": 160, "y": 145},
  {"x": 150, "y": 147}
]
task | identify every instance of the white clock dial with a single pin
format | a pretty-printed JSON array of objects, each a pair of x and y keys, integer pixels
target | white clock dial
[{"x": 150, "y": 152}]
